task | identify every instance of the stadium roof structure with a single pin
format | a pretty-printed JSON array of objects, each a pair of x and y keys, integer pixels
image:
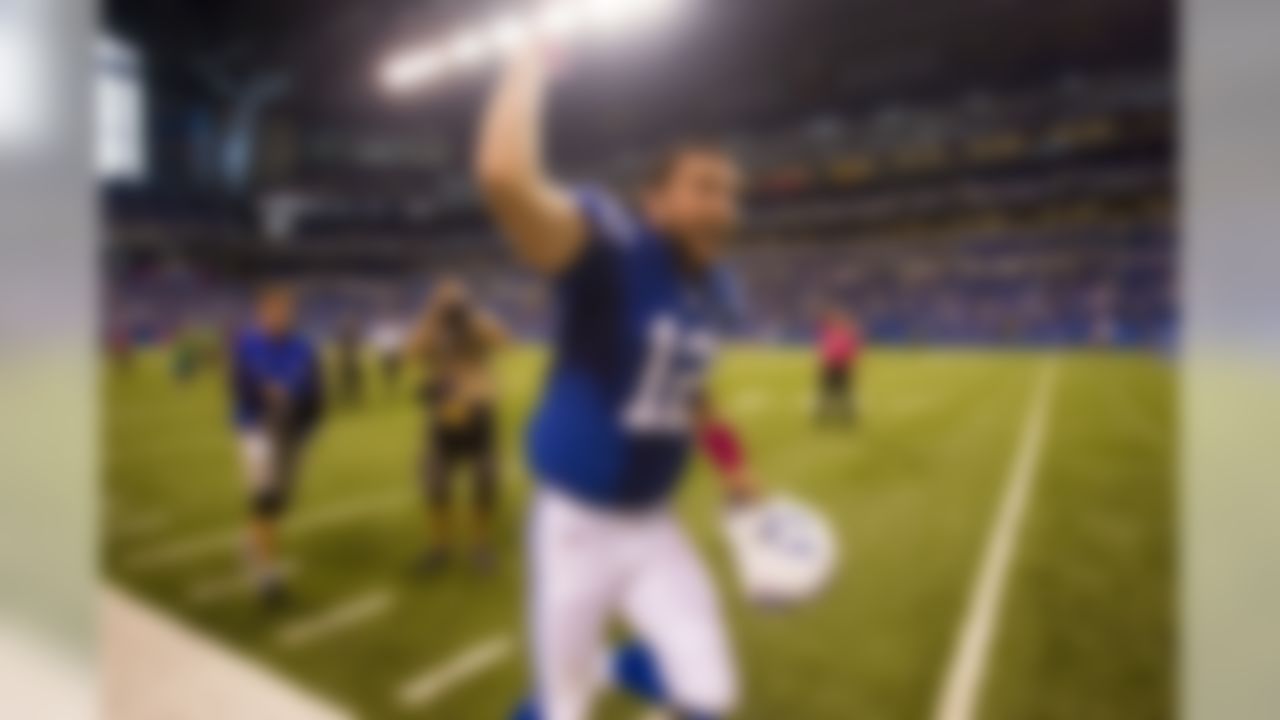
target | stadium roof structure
[{"x": 726, "y": 63}]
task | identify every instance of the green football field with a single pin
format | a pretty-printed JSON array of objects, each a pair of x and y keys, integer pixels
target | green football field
[{"x": 1084, "y": 629}]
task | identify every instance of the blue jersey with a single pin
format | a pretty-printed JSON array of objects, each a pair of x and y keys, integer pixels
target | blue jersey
[
  {"x": 635, "y": 335},
  {"x": 288, "y": 362}
]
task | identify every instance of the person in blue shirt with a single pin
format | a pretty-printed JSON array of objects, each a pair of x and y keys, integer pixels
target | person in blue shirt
[
  {"x": 277, "y": 401},
  {"x": 642, "y": 296}
]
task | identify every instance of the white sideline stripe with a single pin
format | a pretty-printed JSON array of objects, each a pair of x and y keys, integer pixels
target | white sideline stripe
[
  {"x": 222, "y": 587},
  {"x": 966, "y": 673},
  {"x": 433, "y": 683},
  {"x": 343, "y": 616},
  {"x": 153, "y": 667},
  {"x": 167, "y": 553}
]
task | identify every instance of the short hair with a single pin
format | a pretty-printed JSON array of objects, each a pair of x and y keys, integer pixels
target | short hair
[{"x": 670, "y": 157}]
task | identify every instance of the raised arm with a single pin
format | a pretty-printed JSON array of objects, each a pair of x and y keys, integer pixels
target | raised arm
[{"x": 536, "y": 215}]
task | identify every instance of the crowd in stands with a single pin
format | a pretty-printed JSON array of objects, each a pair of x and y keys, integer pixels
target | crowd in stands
[{"x": 1103, "y": 285}]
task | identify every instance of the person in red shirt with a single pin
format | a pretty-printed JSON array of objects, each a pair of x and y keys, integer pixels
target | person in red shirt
[{"x": 839, "y": 345}]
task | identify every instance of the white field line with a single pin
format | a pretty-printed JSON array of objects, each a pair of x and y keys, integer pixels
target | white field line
[
  {"x": 236, "y": 584},
  {"x": 201, "y": 680},
  {"x": 164, "y": 553},
  {"x": 966, "y": 672},
  {"x": 433, "y": 683},
  {"x": 343, "y": 616}
]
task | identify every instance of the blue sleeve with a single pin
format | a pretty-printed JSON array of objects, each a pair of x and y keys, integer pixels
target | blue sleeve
[
  {"x": 611, "y": 227},
  {"x": 591, "y": 278},
  {"x": 608, "y": 220},
  {"x": 589, "y": 293}
]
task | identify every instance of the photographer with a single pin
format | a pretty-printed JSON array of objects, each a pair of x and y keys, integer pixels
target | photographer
[{"x": 455, "y": 340}]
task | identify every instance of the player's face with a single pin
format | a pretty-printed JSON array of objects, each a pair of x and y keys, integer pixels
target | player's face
[
  {"x": 276, "y": 312},
  {"x": 698, "y": 203}
]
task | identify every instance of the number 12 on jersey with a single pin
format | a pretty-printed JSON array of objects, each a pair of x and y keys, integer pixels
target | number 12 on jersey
[{"x": 675, "y": 361}]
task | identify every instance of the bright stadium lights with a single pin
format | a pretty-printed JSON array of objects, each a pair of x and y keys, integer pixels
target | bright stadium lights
[
  {"x": 561, "y": 19},
  {"x": 409, "y": 69},
  {"x": 618, "y": 14},
  {"x": 467, "y": 50},
  {"x": 507, "y": 34},
  {"x": 556, "y": 20}
]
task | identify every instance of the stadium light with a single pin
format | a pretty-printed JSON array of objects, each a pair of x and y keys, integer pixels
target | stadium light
[
  {"x": 467, "y": 50},
  {"x": 561, "y": 20},
  {"x": 405, "y": 71},
  {"x": 558, "y": 20},
  {"x": 508, "y": 34},
  {"x": 618, "y": 14}
]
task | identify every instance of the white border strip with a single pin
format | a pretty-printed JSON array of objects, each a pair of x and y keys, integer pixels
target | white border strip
[
  {"x": 338, "y": 618},
  {"x": 154, "y": 667},
  {"x": 967, "y": 670},
  {"x": 433, "y": 683}
]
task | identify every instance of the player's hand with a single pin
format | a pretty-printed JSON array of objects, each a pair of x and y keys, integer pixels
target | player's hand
[
  {"x": 742, "y": 494},
  {"x": 784, "y": 551}
]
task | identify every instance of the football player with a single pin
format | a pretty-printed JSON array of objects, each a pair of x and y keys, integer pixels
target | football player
[
  {"x": 277, "y": 397},
  {"x": 641, "y": 296}
]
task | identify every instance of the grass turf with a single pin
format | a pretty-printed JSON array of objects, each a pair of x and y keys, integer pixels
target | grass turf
[{"x": 1088, "y": 624}]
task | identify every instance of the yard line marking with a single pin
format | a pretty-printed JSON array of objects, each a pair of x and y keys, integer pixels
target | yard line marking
[
  {"x": 966, "y": 672},
  {"x": 343, "y": 616},
  {"x": 222, "y": 587},
  {"x": 432, "y": 684},
  {"x": 165, "y": 554}
]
